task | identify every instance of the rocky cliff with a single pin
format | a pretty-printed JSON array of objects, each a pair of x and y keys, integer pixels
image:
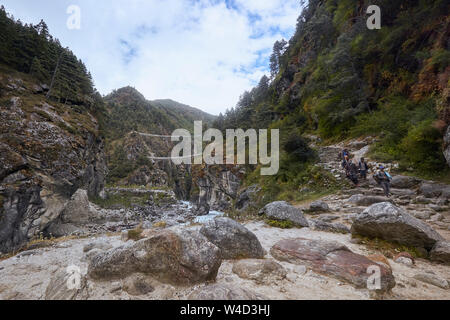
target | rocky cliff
[{"x": 48, "y": 150}]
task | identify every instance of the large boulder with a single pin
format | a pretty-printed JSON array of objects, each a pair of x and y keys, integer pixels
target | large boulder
[
  {"x": 78, "y": 210},
  {"x": 179, "y": 257},
  {"x": 435, "y": 190},
  {"x": 441, "y": 252},
  {"x": 260, "y": 270},
  {"x": 233, "y": 239},
  {"x": 283, "y": 211},
  {"x": 404, "y": 182},
  {"x": 332, "y": 259},
  {"x": 220, "y": 292},
  {"x": 391, "y": 223},
  {"x": 365, "y": 201},
  {"x": 319, "y": 206}
]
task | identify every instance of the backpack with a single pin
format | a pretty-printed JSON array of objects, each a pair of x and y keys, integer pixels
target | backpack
[{"x": 388, "y": 175}]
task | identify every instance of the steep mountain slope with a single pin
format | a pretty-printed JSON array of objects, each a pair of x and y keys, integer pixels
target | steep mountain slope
[
  {"x": 337, "y": 79},
  {"x": 128, "y": 115}
]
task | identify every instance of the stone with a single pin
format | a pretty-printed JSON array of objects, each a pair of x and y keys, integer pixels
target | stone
[
  {"x": 233, "y": 239},
  {"x": 434, "y": 190},
  {"x": 405, "y": 258},
  {"x": 365, "y": 201},
  {"x": 432, "y": 279},
  {"x": 78, "y": 210},
  {"x": 441, "y": 252},
  {"x": 320, "y": 225},
  {"x": 58, "y": 288},
  {"x": 319, "y": 206},
  {"x": 179, "y": 257},
  {"x": 404, "y": 182},
  {"x": 332, "y": 259},
  {"x": 388, "y": 222},
  {"x": 327, "y": 217},
  {"x": 262, "y": 271},
  {"x": 282, "y": 211},
  {"x": 217, "y": 292}
]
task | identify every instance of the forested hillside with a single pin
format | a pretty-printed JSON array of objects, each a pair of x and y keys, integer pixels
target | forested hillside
[
  {"x": 31, "y": 49},
  {"x": 337, "y": 79}
]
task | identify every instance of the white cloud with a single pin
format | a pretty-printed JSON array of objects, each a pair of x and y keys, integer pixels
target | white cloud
[{"x": 203, "y": 53}]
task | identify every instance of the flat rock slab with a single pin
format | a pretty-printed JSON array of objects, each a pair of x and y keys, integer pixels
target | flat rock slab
[
  {"x": 391, "y": 223},
  {"x": 332, "y": 259}
]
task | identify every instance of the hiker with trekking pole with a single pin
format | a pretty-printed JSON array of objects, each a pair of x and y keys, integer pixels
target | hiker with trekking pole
[{"x": 383, "y": 178}]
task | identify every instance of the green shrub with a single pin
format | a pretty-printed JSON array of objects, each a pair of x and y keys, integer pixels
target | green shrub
[{"x": 280, "y": 224}]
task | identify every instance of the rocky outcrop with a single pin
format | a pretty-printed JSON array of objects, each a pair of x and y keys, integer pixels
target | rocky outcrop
[
  {"x": 233, "y": 239},
  {"x": 217, "y": 188},
  {"x": 247, "y": 198},
  {"x": 179, "y": 257},
  {"x": 283, "y": 211},
  {"x": 46, "y": 156},
  {"x": 435, "y": 190},
  {"x": 318, "y": 206},
  {"x": 391, "y": 223},
  {"x": 332, "y": 259},
  {"x": 320, "y": 225}
]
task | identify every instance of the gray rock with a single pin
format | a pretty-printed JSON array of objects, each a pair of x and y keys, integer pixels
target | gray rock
[
  {"x": 282, "y": 211},
  {"x": 319, "y": 206},
  {"x": 327, "y": 217},
  {"x": 404, "y": 182},
  {"x": 432, "y": 279},
  {"x": 78, "y": 210},
  {"x": 365, "y": 201},
  {"x": 219, "y": 292},
  {"x": 388, "y": 222},
  {"x": 435, "y": 190},
  {"x": 405, "y": 261},
  {"x": 180, "y": 257},
  {"x": 441, "y": 252},
  {"x": 261, "y": 271},
  {"x": 320, "y": 225},
  {"x": 233, "y": 239}
]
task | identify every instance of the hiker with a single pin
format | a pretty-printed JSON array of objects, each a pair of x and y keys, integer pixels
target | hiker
[
  {"x": 345, "y": 154},
  {"x": 345, "y": 165},
  {"x": 363, "y": 168},
  {"x": 353, "y": 172},
  {"x": 383, "y": 178}
]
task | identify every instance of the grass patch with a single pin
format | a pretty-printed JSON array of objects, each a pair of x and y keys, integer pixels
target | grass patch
[
  {"x": 136, "y": 234},
  {"x": 122, "y": 200},
  {"x": 390, "y": 249},
  {"x": 280, "y": 224}
]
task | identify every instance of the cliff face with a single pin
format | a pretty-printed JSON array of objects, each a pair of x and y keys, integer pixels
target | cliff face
[{"x": 48, "y": 151}]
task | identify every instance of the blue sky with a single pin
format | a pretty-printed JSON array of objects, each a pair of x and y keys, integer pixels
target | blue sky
[{"x": 204, "y": 53}]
